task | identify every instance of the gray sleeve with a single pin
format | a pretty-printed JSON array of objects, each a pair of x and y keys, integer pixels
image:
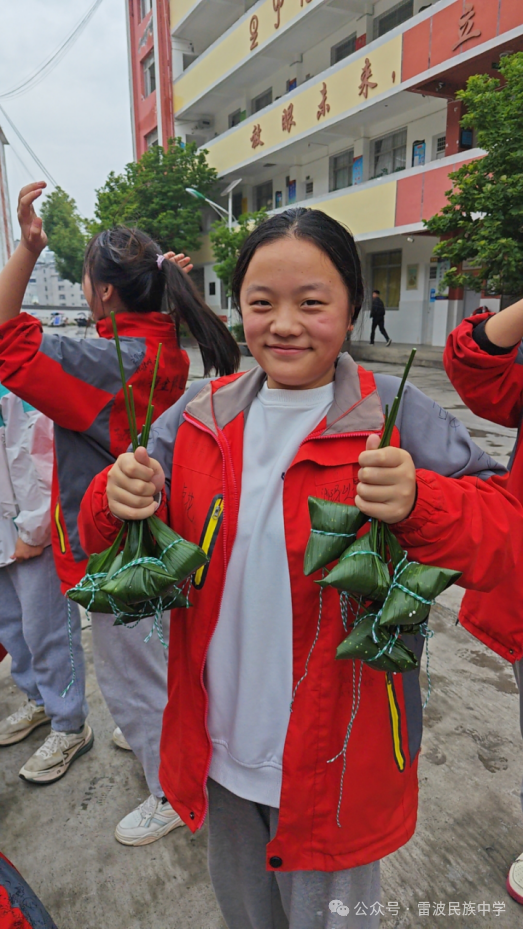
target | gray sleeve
[
  {"x": 165, "y": 429},
  {"x": 95, "y": 361},
  {"x": 434, "y": 437}
]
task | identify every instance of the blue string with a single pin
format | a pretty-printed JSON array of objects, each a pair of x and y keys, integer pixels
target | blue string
[{"x": 339, "y": 535}]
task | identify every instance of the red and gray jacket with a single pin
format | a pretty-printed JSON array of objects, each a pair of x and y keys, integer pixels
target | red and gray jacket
[
  {"x": 76, "y": 383},
  {"x": 461, "y": 520},
  {"x": 489, "y": 379}
]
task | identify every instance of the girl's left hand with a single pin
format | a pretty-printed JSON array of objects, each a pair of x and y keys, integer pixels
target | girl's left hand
[
  {"x": 33, "y": 236},
  {"x": 183, "y": 261},
  {"x": 387, "y": 482}
]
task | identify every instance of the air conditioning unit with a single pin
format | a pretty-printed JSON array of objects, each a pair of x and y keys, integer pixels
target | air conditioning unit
[{"x": 205, "y": 123}]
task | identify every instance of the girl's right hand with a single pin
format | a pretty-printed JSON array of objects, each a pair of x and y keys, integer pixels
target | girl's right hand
[
  {"x": 132, "y": 484},
  {"x": 33, "y": 236}
]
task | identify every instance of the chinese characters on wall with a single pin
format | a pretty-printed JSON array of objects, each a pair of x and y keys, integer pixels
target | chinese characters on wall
[
  {"x": 466, "y": 27},
  {"x": 324, "y": 107},
  {"x": 287, "y": 119},
  {"x": 256, "y": 139},
  {"x": 366, "y": 83}
]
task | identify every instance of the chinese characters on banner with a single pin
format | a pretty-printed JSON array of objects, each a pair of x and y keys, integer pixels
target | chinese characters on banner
[
  {"x": 256, "y": 139},
  {"x": 366, "y": 83},
  {"x": 277, "y": 5},
  {"x": 323, "y": 107},
  {"x": 254, "y": 25},
  {"x": 466, "y": 27},
  {"x": 287, "y": 119}
]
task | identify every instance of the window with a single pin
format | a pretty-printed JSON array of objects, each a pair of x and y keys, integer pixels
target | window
[
  {"x": 393, "y": 17},
  {"x": 263, "y": 100},
  {"x": 386, "y": 277},
  {"x": 149, "y": 75},
  {"x": 62, "y": 296},
  {"x": 309, "y": 189},
  {"x": 145, "y": 8},
  {"x": 343, "y": 49},
  {"x": 61, "y": 287},
  {"x": 441, "y": 147},
  {"x": 389, "y": 154},
  {"x": 151, "y": 138},
  {"x": 263, "y": 196},
  {"x": 236, "y": 118},
  {"x": 340, "y": 170},
  {"x": 212, "y": 288}
]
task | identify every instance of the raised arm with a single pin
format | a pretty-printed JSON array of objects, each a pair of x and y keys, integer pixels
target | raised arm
[
  {"x": 15, "y": 275},
  {"x": 484, "y": 361}
]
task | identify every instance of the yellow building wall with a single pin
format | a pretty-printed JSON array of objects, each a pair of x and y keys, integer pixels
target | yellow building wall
[
  {"x": 234, "y": 48},
  {"x": 343, "y": 93},
  {"x": 179, "y": 9},
  {"x": 364, "y": 211}
]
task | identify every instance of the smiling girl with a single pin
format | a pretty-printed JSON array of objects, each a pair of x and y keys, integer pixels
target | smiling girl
[{"x": 256, "y": 722}]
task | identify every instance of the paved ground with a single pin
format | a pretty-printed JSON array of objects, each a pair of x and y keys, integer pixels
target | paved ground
[{"x": 470, "y": 824}]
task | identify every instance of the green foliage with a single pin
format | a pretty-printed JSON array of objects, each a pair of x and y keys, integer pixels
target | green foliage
[
  {"x": 226, "y": 243},
  {"x": 151, "y": 194},
  {"x": 483, "y": 220},
  {"x": 66, "y": 232},
  {"x": 238, "y": 332}
]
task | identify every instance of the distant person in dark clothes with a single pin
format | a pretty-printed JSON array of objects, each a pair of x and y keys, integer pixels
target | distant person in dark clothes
[{"x": 377, "y": 315}]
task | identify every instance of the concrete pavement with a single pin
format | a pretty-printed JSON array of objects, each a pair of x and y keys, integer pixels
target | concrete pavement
[{"x": 470, "y": 823}]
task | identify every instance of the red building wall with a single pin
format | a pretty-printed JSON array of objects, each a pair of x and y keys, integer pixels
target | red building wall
[{"x": 141, "y": 35}]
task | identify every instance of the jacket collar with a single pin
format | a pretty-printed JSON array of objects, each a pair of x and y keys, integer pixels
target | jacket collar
[
  {"x": 137, "y": 324},
  {"x": 355, "y": 408}
]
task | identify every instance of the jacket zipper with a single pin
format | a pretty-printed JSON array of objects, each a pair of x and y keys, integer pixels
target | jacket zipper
[{"x": 205, "y": 429}]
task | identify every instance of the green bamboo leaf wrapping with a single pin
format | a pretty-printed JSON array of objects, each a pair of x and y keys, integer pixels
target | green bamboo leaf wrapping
[
  {"x": 360, "y": 572},
  {"x": 138, "y": 581},
  {"x": 427, "y": 581},
  {"x": 360, "y": 644},
  {"x": 181, "y": 558},
  {"x": 327, "y": 517}
]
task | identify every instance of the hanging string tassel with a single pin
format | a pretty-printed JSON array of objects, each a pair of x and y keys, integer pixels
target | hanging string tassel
[
  {"x": 356, "y": 697},
  {"x": 71, "y": 655}
]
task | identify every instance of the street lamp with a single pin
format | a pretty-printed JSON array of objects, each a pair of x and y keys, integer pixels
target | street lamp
[{"x": 223, "y": 214}]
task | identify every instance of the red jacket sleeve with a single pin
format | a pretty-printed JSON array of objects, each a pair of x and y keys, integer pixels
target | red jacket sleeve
[
  {"x": 36, "y": 377},
  {"x": 491, "y": 385},
  {"x": 467, "y": 524},
  {"x": 97, "y": 526}
]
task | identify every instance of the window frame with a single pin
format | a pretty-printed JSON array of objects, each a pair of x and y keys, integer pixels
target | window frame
[
  {"x": 352, "y": 38},
  {"x": 390, "y": 14},
  {"x": 333, "y": 170},
  {"x": 394, "y": 148},
  {"x": 254, "y": 107},
  {"x": 148, "y": 68}
]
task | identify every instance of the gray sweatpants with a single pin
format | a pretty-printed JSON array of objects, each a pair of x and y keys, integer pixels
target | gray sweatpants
[
  {"x": 34, "y": 630},
  {"x": 251, "y": 896},
  {"x": 132, "y": 676}
]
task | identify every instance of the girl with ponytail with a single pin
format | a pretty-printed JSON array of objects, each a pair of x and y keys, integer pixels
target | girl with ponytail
[{"x": 76, "y": 383}]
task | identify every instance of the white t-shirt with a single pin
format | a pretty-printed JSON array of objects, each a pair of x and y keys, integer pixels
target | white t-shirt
[{"x": 249, "y": 664}]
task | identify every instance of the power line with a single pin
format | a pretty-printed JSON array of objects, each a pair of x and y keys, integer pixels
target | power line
[
  {"x": 26, "y": 145},
  {"x": 47, "y": 66}
]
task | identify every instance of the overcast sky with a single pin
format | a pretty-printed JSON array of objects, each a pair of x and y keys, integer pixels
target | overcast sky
[{"x": 77, "y": 120}]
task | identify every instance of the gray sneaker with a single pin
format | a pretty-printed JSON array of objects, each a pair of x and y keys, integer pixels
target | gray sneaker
[
  {"x": 17, "y": 726},
  {"x": 51, "y": 761}
]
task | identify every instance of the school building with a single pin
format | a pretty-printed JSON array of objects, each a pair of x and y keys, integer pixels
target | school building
[{"x": 344, "y": 105}]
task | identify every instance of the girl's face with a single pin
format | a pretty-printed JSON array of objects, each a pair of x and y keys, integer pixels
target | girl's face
[{"x": 296, "y": 313}]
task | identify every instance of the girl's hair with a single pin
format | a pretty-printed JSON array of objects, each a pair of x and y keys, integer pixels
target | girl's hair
[
  {"x": 317, "y": 227},
  {"x": 129, "y": 260}
]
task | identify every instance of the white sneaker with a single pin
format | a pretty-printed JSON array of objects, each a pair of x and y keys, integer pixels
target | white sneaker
[
  {"x": 515, "y": 880},
  {"x": 20, "y": 724},
  {"x": 51, "y": 761},
  {"x": 148, "y": 823},
  {"x": 120, "y": 739}
]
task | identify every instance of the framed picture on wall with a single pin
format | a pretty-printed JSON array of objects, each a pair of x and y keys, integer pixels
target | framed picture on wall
[{"x": 412, "y": 277}]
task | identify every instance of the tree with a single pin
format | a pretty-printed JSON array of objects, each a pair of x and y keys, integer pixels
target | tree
[
  {"x": 66, "y": 232},
  {"x": 226, "y": 243},
  {"x": 483, "y": 220},
  {"x": 151, "y": 194}
]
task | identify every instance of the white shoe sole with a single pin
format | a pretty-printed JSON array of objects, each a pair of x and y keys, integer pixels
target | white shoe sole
[
  {"x": 48, "y": 776},
  {"x": 150, "y": 838},
  {"x": 22, "y": 734},
  {"x": 121, "y": 742}
]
